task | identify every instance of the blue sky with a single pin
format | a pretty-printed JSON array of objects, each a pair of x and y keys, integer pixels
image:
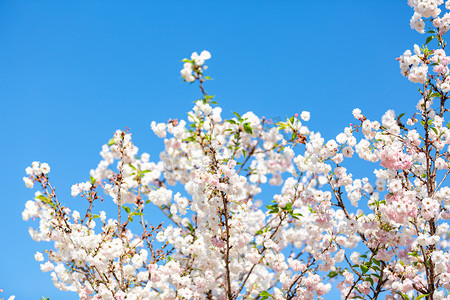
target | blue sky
[{"x": 72, "y": 72}]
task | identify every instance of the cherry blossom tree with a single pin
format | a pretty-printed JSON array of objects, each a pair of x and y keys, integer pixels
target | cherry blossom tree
[{"x": 383, "y": 235}]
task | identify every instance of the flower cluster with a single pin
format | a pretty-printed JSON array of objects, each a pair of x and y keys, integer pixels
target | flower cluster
[
  {"x": 193, "y": 68},
  {"x": 222, "y": 243}
]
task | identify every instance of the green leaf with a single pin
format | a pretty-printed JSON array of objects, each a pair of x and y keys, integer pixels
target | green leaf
[
  {"x": 376, "y": 268},
  {"x": 435, "y": 130},
  {"x": 422, "y": 296},
  {"x": 288, "y": 207},
  {"x": 207, "y": 78},
  {"x": 42, "y": 197},
  {"x": 238, "y": 116},
  {"x": 136, "y": 214},
  {"x": 414, "y": 253},
  {"x": 333, "y": 274},
  {"x": 264, "y": 295},
  {"x": 248, "y": 128},
  {"x": 437, "y": 95},
  {"x": 376, "y": 275},
  {"x": 231, "y": 121},
  {"x": 126, "y": 208},
  {"x": 185, "y": 60},
  {"x": 189, "y": 139},
  {"x": 429, "y": 39},
  {"x": 401, "y": 115},
  {"x": 45, "y": 200},
  {"x": 111, "y": 142},
  {"x": 294, "y": 136},
  {"x": 95, "y": 216},
  {"x": 403, "y": 295},
  {"x": 273, "y": 209},
  {"x": 364, "y": 269}
]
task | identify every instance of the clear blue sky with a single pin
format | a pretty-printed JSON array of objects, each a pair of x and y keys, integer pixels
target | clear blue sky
[{"x": 72, "y": 72}]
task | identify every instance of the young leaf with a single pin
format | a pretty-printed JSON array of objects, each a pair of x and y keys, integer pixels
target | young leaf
[
  {"x": 437, "y": 95},
  {"x": 405, "y": 297},
  {"x": 332, "y": 274},
  {"x": 45, "y": 200},
  {"x": 248, "y": 128},
  {"x": 364, "y": 269},
  {"x": 136, "y": 214},
  {"x": 264, "y": 295}
]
